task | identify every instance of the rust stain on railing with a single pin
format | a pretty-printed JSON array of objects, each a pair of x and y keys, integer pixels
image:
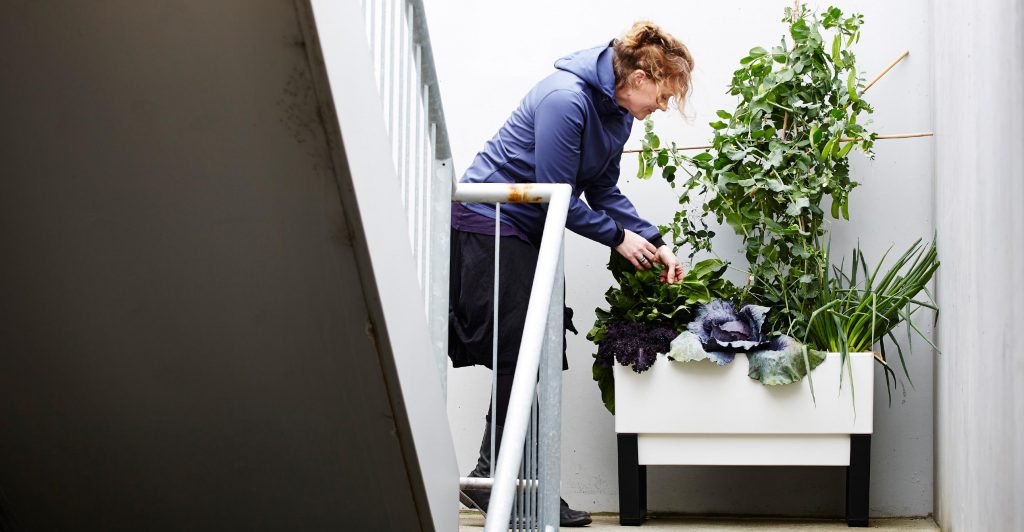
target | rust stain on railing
[{"x": 520, "y": 193}]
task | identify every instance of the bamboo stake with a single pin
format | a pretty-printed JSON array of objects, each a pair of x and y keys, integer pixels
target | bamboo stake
[
  {"x": 843, "y": 139},
  {"x": 887, "y": 69},
  {"x": 785, "y": 119},
  {"x": 681, "y": 148},
  {"x": 886, "y": 137}
]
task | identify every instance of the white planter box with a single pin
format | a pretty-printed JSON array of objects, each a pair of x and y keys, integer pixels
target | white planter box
[{"x": 699, "y": 413}]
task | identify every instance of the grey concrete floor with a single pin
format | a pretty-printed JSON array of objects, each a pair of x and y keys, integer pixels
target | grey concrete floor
[{"x": 471, "y": 521}]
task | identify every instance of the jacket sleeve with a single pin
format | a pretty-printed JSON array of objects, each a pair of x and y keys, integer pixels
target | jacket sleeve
[
  {"x": 558, "y": 132},
  {"x": 607, "y": 197}
]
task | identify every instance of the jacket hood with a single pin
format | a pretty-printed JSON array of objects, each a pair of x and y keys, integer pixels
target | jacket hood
[{"x": 594, "y": 66}]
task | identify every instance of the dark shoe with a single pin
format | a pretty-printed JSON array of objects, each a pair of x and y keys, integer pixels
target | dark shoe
[
  {"x": 475, "y": 499},
  {"x": 479, "y": 499},
  {"x": 568, "y": 517}
]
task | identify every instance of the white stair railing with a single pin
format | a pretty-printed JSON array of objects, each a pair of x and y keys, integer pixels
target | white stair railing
[
  {"x": 414, "y": 118},
  {"x": 392, "y": 267},
  {"x": 526, "y": 479},
  {"x": 525, "y": 484}
]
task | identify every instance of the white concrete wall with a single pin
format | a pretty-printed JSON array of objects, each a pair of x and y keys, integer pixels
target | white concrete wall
[
  {"x": 489, "y": 55},
  {"x": 979, "y": 103}
]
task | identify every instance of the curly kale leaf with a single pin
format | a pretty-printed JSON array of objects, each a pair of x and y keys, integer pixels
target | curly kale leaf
[{"x": 633, "y": 344}]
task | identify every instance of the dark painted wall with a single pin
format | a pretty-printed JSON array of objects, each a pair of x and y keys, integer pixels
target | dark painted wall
[{"x": 182, "y": 329}]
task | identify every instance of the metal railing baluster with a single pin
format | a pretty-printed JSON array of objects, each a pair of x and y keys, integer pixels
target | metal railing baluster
[
  {"x": 494, "y": 336},
  {"x": 406, "y": 81},
  {"x": 550, "y": 400}
]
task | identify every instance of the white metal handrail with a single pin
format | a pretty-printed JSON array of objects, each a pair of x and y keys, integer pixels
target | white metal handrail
[
  {"x": 543, "y": 328},
  {"x": 413, "y": 117},
  {"x": 403, "y": 66}
]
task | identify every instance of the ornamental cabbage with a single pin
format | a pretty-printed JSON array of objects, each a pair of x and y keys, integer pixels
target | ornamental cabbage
[{"x": 718, "y": 332}]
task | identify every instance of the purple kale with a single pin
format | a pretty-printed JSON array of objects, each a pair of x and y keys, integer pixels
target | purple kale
[{"x": 633, "y": 344}]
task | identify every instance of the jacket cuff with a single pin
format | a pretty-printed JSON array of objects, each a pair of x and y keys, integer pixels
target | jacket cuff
[
  {"x": 620, "y": 235},
  {"x": 657, "y": 241}
]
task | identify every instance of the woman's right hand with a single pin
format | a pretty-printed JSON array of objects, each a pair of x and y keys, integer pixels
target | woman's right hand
[{"x": 637, "y": 250}]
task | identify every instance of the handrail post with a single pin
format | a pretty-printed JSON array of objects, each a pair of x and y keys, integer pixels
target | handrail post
[
  {"x": 440, "y": 258},
  {"x": 550, "y": 402},
  {"x": 528, "y": 361}
]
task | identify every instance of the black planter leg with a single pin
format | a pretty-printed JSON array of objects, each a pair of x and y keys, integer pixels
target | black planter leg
[
  {"x": 858, "y": 475},
  {"x": 632, "y": 483}
]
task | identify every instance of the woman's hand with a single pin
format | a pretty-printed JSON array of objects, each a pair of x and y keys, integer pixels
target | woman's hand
[
  {"x": 673, "y": 272},
  {"x": 638, "y": 251}
]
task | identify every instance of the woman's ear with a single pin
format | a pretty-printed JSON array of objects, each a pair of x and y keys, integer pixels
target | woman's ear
[{"x": 637, "y": 77}]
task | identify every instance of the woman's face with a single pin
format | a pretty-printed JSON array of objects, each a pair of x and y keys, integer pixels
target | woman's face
[{"x": 640, "y": 95}]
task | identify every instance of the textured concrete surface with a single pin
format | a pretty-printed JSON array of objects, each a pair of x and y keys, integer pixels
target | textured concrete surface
[
  {"x": 473, "y": 521},
  {"x": 979, "y": 418}
]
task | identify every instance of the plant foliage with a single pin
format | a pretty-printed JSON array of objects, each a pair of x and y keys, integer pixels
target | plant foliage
[
  {"x": 775, "y": 160},
  {"x": 777, "y": 171},
  {"x": 641, "y": 305},
  {"x": 859, "y": 308}
]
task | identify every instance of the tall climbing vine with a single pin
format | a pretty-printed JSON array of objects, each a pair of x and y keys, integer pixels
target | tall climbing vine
[{"x": 777, "y": 162}]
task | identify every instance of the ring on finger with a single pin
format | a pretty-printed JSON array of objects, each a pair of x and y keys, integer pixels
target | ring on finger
[{"x": 641, "y": 259}]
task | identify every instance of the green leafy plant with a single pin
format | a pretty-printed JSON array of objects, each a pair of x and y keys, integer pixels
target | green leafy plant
[
  {"x": 777, "y": 163},
  {"x": 857, "y": 310},
  {"x": 640, "y": 298},
  {"x": 774, "y": 160}
]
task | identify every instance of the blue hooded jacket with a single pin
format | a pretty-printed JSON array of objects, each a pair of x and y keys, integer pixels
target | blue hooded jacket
[{"x": 568, "y": 129}]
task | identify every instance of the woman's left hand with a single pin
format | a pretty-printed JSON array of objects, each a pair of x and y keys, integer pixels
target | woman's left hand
[{"x": 673, "y": 271}]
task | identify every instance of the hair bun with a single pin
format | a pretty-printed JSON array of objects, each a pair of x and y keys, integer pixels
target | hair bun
[
  {"x": 644, "y": 33},
  {"x": 659, "y": 55}
]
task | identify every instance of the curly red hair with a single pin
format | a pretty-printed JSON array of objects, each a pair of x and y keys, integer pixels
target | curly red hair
[{"x": 662, "y": 57}]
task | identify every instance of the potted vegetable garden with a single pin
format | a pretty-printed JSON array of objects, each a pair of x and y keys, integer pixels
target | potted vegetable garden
[{"x": 777, "y": 370}]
